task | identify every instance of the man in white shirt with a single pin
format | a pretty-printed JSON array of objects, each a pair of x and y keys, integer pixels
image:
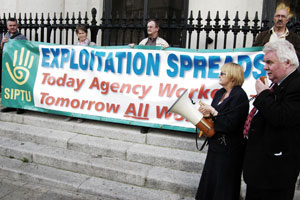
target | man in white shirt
[{"x": 153, "y": 39}]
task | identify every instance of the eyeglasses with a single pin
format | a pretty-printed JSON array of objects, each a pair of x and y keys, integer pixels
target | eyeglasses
[
  {"x": 222, "y": 73},
  {"x": 282, "y": 16}
]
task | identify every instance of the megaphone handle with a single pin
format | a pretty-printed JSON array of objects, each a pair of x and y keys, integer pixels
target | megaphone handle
[
  {"x": 206, "y": 127},
  {"x": 200, "y": 134}
]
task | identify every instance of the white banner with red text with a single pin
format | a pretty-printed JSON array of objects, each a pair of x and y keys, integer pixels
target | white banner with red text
[{"x": 117, "y": 84}]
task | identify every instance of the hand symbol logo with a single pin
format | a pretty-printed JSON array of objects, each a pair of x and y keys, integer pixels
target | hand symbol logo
[{"x": 20, "y": 72}]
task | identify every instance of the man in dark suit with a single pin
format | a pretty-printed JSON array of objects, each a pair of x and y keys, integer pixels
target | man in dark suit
[{"x": 271, "y": 164}]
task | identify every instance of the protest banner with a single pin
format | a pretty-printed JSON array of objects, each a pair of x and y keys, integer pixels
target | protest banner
[{"x": 117, "y": 84}]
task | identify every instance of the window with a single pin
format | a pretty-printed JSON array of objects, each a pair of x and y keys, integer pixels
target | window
[{"x": 125, "y": 20}]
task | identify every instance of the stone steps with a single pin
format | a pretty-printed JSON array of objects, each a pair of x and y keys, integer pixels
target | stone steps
[
  {"x": 158, "y": 161},
  {"x": 135, "y": 152},
  {"x": 103, "y": 167},
  {"x": 69, "y": 182}
]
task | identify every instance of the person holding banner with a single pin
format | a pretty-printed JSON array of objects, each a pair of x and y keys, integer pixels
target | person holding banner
[
  {"x": 12, "y": 33},
  {"x": 221, "y": 175},
  {"x": 279, "y": 31},
  {"x": 152, "y": 40},
  {"x": 81, "y": 32},
  {"x": 272, "y": 156}
]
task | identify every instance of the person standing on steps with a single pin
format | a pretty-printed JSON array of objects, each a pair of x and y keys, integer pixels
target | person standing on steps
[
  {"x": 12, "y": 33},
  {"x": 81, "y": 32},
  {"x": 221, "y": 175},
  {"x": 152, "y": 40},
  {"x": 272, "y": 156}
]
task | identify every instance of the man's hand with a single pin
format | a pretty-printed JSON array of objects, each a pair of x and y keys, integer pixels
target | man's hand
[
  {"x": 131, "y": 45},
  {"x": 165, "y": 46},
  {"x": 261, "y": 86},
  {"x": 3, "y": 41}
]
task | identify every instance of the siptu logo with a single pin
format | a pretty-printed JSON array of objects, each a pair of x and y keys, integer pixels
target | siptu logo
[{"x": 19, "y": 72}]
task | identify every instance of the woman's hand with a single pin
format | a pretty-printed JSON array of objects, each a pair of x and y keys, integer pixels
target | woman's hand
[{"x": 207, "y": 110}]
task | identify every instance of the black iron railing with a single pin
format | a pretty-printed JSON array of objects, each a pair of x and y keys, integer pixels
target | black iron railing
[{"x": 116, "y": 30}]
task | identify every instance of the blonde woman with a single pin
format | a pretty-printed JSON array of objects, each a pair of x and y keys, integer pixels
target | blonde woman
[{"x": 221, "y": 175}]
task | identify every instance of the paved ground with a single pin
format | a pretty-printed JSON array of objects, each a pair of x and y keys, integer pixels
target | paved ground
[{"x": 20, "y": 190}]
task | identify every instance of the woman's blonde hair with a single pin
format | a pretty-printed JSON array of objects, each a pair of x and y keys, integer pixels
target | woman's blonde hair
[
  {"x": 282, "y": 6},
  {"x": 234, "y": 72}
]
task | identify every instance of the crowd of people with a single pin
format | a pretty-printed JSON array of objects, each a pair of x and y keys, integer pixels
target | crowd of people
[{"x": 263, "y": 145}]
